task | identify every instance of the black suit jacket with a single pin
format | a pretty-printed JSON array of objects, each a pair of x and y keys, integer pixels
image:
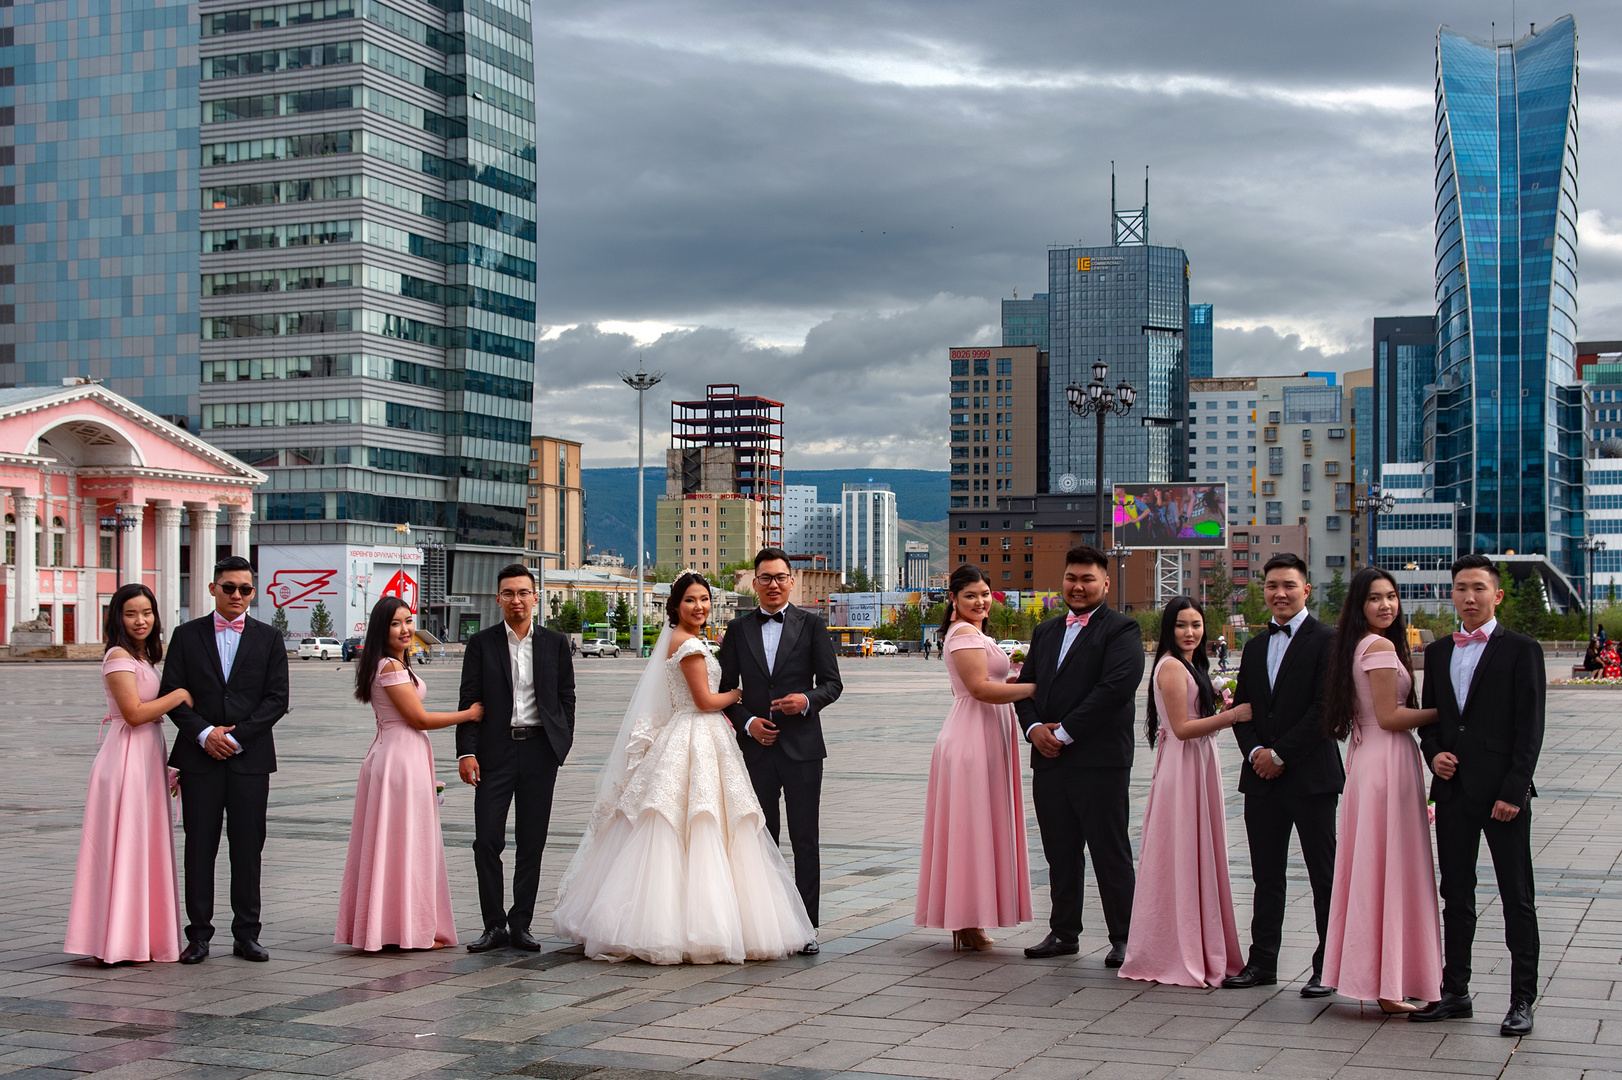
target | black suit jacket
[
  {"x": 805, "y": 665},
  {"x": 251, "y": 702},
  {"x": 1288, "y": 717},
  {"x": 1093, "y": 694},
  {"x": 487, "y": 678},
  {"x": 1498, "y": 736}
]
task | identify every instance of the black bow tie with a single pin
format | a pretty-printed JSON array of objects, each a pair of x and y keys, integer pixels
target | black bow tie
[
  {"x": 769, "y": 616},
  {"x": 1279, "y": 628}
]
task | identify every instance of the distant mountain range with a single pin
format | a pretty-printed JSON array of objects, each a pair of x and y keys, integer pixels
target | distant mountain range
[{"x": 920, "y": 496}]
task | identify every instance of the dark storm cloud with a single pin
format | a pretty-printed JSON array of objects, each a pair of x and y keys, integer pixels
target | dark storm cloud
[{"x": 880, "y": 174}]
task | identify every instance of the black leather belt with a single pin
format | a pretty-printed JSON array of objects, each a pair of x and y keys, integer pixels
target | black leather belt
[{"x": 522, "y": 733}]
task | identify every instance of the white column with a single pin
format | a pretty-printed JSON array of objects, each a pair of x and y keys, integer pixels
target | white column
[
  {"x": 27, "y": 566},
  {"x": 90, "y": 536},
  {"x": 204, "y": 518},
  {"x": 241, "y": 521},
  {"x": 132, "y": 542},
  {"x": 168, "y": 591}
]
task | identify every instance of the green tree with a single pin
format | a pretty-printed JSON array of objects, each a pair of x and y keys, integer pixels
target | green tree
[
  {"x": 1332, "y": 598},
  {"x": 320, "y": 620},
  {"x": 568, "y": 618},
  {"x": 622, "y": 618},
  {"x": 1148, "y": 624},
  {"x": 1253, "y": 606},
  {"x": 858, "y": 581},
  {"x": 594, "y": 609},
  {"x": 278, "y": 621},
  {"x": 1219, "y": 590}
]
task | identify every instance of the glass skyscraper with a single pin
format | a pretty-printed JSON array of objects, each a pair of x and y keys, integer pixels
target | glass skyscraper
[
  {"x": 1404, "y": 372},
  {"x": 1025, "y": 322},
  {"x": 98, "y": 208},
  {"x": 1201, "y": 320},
  {"x": 1508, "y": 439},
  {"x": 1127, "y": 305}
]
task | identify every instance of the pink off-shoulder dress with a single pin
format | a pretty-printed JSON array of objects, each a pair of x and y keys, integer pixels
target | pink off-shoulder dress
[
  {"x": 974, "y": 871},
  {"x": 396, "y": 890},
  {"x": 126, "y": 891}
]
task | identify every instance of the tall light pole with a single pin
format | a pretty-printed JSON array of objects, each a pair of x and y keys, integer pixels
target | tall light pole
[
  {"x": 1094, "y": 400},
  {"x": 1119, "y": 553},
  {"x": 1373, "y": 503},
  {"x": 1592, "y": 546},
  {"x": 641, "y": 382}
]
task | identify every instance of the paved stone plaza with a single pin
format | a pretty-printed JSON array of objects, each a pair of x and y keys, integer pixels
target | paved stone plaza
[{"x": 882, "y": 999}]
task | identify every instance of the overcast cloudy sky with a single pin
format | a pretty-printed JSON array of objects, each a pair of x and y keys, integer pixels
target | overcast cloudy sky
[{"x": 817, "y": 200}]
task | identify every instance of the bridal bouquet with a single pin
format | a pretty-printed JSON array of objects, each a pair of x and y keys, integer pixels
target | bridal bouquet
[
  {"x": 1225, "y": 689},
  {"x": 1016, "y": 664},
  {"x": 174, "y": 783},
  {"x": 439, "y": 793}
]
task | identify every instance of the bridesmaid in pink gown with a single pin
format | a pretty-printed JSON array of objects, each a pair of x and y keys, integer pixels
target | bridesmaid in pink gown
[
  {"x": 1384, "y": 941},
  {"x": 126, "y": 894},
  {"x": 974, "y": 871},
  {"x": 396, "y": 890},
  {"x": 1183, "y": 929}
]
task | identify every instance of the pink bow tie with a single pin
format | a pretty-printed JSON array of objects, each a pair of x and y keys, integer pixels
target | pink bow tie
[
  {"x": 237, "y": 624},
  {"x": 1460, "y": 640},
  {"x": 1073, "y": 619}
]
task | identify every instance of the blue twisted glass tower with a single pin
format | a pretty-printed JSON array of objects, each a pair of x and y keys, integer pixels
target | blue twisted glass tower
[{"x": 1508, "y": 422}]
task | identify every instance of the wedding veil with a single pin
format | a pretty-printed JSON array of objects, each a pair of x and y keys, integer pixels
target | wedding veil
[{"x": 650, "y": 708}]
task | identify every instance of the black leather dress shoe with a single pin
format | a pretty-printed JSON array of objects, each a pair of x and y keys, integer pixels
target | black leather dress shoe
[
  {"x": 1249, "y": 975},
  {"x": 811, "y": 948},
  {"x": 1315, "y": 988},
  {"x": 1052, "y": 946},
  {"x": 1451, "y": 1007},
  {"x": 1518, "y": 1021},
  {"x": 250, "y": 950},
  {"x": 195, "y": 952},
  {"x": 523, "y": 939},
  {"x": 1115, "y": 957},
  {"x": 494, "y": 938}
]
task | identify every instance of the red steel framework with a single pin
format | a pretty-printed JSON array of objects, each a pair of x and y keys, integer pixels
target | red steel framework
[{"x": 751, "y": 425}]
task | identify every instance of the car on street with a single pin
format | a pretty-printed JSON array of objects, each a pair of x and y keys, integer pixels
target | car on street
[
  {"x": 352, "y": 647},
  {"x": 884, "y": 648},
  {"x": 1008, "y": 645},
  {"x": 320, "y": 648},
  {"x": 598, "y": 647}
]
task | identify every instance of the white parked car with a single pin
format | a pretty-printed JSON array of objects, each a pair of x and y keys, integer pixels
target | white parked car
[
  {"x": 884, "y": 648},
  {"x": 1008, "y": 645},
  {"x": 320, "y": 648},
  {"x": 599, "y": 647}
]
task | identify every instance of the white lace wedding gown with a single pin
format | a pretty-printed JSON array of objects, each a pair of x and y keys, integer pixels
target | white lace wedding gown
[{"x": 676, "y": 864}]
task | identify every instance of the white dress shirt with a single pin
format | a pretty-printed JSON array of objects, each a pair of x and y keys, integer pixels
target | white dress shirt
[
  {"x": 521, "y": 650},
  {"x": 1277, "y": 646},
  {"x": 1462, "y": 667},
  {"x": 771, "y": 635},
  {"x": 226, "y": 641}
]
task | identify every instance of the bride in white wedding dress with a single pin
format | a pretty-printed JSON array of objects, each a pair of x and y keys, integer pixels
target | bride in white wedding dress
[{"x": 676, "y": 864}]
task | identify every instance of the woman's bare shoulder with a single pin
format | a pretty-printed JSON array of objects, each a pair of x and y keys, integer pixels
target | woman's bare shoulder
[
  {"x": 1381, "y": 643},
  {"x": 118, "y": 652}
]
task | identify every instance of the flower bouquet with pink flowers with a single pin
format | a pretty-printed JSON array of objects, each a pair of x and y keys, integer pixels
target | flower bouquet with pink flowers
[
  {"x": 439, "y": 793},
  {"x": 1016, "y": 664},
  {"x": 1225, "y": 690},
  {"x": 174, "y": 783}
]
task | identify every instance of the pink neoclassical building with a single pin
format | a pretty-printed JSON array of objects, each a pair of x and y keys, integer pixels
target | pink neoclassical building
[{"x": 99, "y": 491}]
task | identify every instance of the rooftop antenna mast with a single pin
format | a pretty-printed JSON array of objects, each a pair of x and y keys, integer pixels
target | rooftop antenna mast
[{"x": 1129, "y": 228}]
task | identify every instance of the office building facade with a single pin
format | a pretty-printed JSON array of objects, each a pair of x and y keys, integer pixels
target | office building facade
[
  {"x": 1508, "y": 411},
  {"x": 555, "y": 518},
  {"x": 1304, "y": 466},
  {"x": 1025, "y": 322},
  {"x": 1201, "y": 340},
  {"x": 1416, "y": 542},
  {"x": 98, "y": 214},
  {"x": 1404, "y": 373},
  {"x": 810, "y": 527},
  {"x": 708, "y": 530},
  {"x": 1222, "y": 441},
  {"x": 868, "y": 534},
  {"x": 1128, "y": 306},
  {"x": 998, "y": 419}
]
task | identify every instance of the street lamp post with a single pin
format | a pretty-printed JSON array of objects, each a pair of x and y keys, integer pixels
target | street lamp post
[
  {"x": 1095, "y": 399},
  {"x": 1372, "y": 503},
  {"x": 1592, "y": 546},
  {"x": 641, "y": 382},
  {"x": 1119, "y": 553},
  {"x": 118, "y": 523}
]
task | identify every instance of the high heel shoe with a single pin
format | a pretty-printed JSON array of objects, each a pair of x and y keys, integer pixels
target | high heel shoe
[
  {"x": 971, "y": 939},
  {"x": 1397, "y": 1008}
]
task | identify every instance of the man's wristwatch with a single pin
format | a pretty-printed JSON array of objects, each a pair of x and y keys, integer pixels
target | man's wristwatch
[{"x": 1276, "y": 759}]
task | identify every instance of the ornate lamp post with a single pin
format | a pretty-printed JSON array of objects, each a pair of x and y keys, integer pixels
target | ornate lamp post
[
  {"x": 1373, "y": 503},
  {"x": 1592, "y": 546},
  {"x": 118, "y": 523},
  {"x": 641, "y": 382},
  {"x": 1095, "y": 399}
]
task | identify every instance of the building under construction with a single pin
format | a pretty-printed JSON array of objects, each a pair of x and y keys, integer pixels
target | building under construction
[{"x": 728, "y": 445}]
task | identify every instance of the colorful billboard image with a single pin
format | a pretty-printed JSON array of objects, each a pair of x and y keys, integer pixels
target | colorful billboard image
[{"x": 1171, "y": 515}]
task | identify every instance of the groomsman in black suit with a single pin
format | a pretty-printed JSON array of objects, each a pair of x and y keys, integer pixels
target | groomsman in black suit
[
  {"x": 521, "y": 673},
  {"x": 236, "y": 670},
  {"x": 1487, "y": 685},
  {"x": 1086, "y": 667},
  {"x": 1291, "y": 775},
  {"x": 785, "y": 661}
]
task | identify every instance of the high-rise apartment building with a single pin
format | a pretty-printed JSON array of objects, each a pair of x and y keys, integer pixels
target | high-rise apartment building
[
  {"x": 868, "y": 535},
  {"x": 1025, "y": 322},
  {"x": 810, "y": 527},
  {"x": 556, "y": 514},
  {"x": 999, "y": 417},
  {"x": 1222, "y": 441},
  {"x": 1404, "y": 371},
  {"x": 732, "y": 442},
  {"x": 1201, "y": 340},
  {"x": 368, "y": 270},
  {"x": 1507, "y": 405},
  {"x": 98, "y": 212},
  {"x": 1304, "y": 465},
  {"x": 707, "y": 530}
]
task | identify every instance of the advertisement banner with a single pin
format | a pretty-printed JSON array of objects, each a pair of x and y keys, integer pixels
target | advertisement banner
[
  {"x": 1171, "y": 515},
  {"x": 346, "y": 580}
]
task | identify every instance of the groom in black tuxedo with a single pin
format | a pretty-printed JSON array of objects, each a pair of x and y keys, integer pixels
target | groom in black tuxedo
[
  {"x": 1291, "y": 776},
  {"x": 785, "y": 661},
  {"x": 236, "y": 670},
  {"x": 1086, "y": 667},
  {"x": 1487, "y": 685}
]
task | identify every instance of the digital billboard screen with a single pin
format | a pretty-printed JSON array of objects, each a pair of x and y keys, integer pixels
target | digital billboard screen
[{"x": 1171, "y": 515}]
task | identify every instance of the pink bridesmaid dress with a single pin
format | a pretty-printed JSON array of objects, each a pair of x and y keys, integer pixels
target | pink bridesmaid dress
[
  {"x": 974, "y": 870},
  {"x": 126, "y": 890},
  {"x": 1384, "y": 932},
  {"x": 1183, "y": 929},
  {"x": 396, "y": 890}
]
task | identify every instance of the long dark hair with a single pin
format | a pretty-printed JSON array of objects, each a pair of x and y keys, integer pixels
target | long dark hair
[
  {"x": 678, "y": 591},
  {"x": 1199, "y": 667},
  {"x": 1340, "y": 693},
  {"x": 961, "y": 579},
  {"x": 376, "y": 647},
  {"x": 113, "y": 634}
]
